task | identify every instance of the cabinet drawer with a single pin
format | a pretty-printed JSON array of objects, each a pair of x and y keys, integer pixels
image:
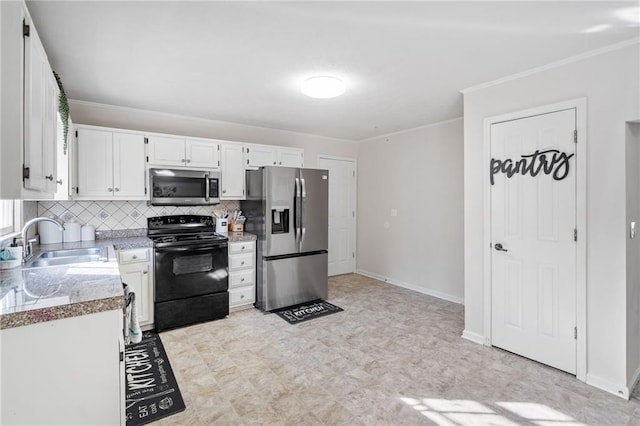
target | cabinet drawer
[
  {"x": 243, "y": 247},
  {"x": 241, "y": 261},
  {"x": 240, "y": 278},
  {"x": 134, "y": 255},
  {"x": 241, "y": 296}
]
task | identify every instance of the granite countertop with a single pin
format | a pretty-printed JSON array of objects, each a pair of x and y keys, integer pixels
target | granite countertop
[
  {"x": 32, "y": 295},
  {"x": 236, "y": 237}
]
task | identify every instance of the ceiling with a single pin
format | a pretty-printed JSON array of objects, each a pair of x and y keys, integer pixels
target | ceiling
[{"x": 404, "y": 63}]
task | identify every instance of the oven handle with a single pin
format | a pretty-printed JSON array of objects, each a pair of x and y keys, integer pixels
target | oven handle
[{"x": 190, "y": 248}]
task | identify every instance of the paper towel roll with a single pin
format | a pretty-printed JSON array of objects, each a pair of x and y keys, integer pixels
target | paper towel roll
[
  {"x": 88, "y": 233},
  {"x": 49, "y": 233},
  {"x": 71, "y": 232}
]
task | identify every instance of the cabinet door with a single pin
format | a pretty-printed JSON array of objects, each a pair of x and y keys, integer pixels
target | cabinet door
[
  {"x": 50, "y": 130},
  {"x": 232, "y": 179},
  {"x": 261, "y": 155},
  {"x": 164, "y": 151},
  {"x": 290, "y": 157},
  {"x": 138, "y": 277},
  {"x": 202, "y": 154},
  {"x": 36, "y": 69},
  {"x": 95, "y": 164},
  {"x": 128, "y": 166}
]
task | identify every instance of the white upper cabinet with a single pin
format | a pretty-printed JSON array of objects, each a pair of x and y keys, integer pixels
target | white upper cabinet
[
  {"x": 261, "y": 155},
  {"x": 40, "y": 115},
  {"x": 178, "y": 152},
  {"x": 290, "y": 157},
  {"x": 110, "y": 165},
  {"x": 268, "y": 155},
  {"x": 202, "y": 154},
  {"x": 232, "y": 177}
]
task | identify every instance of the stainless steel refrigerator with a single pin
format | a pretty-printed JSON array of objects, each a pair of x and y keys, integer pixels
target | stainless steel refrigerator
[{"x": 287, "y": 208}]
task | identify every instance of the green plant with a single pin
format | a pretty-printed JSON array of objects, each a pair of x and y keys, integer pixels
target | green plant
[{"x": 63, "y": 110}]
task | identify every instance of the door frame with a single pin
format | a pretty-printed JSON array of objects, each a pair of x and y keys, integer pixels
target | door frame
[
  {"x": 580, "y": 105},
  {"x": 354, "y": 238}
]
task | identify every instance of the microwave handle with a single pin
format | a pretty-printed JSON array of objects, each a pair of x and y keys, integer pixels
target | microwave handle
[{"x": 206, "y": 186}]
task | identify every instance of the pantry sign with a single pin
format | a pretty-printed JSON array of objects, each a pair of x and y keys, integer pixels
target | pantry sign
[{"x": 550, "y": 162}]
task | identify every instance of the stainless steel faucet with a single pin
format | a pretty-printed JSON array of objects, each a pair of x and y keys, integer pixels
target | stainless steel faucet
[{"x": 27, "y": 248}]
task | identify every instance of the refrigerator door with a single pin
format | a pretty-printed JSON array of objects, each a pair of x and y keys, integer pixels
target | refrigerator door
[
  {"x": 279, "y": 205},
  {"x": 292, "y": 280},
  {"x": 314, "y": 214}
]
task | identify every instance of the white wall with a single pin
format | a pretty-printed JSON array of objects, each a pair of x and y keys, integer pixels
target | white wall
[
  {"x": 633, "y": 253},
  {"x": 134, "y": 119},
  {"x": 609, "y": 81},
  {"x": 418, "y": 173}
]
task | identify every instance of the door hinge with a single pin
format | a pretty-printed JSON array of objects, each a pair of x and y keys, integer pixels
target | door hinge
[
  {"x": 146, "y": 141},
  {"x": 575, "y": 234},
  {"x": 121, "y": 356},
  {"x": 25, "y": 172},
  {"x": 147, "y": 158},
  {"x": 76, "y": 133},
  {"x": 575, "y": 136},
  {"x": 26, "y": 30},
  {"x": 77, "y": 189},
  {"x": 353, "y": 254},
  {"x": 218, "y": 163},
  {"x": 145, "y": 191},
  {"x": 575, "y": 333}
]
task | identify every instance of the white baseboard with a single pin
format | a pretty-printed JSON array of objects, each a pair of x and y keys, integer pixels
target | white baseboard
[
  {"x": 413, "y": 287},
  {"x": 473, "y": 337},
  {"x": 606, "y": 385},
  {"x": 634, "y": 381}
]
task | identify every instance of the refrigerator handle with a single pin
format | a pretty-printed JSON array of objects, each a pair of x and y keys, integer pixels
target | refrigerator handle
[
  {"x": 303, "y": 206},
  {"x": 296, "y": 216}
]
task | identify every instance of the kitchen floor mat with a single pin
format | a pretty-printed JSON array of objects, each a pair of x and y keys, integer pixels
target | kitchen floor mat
[
  {"x": 152, "y": 391},
  {"x": 306, "y": 311}
]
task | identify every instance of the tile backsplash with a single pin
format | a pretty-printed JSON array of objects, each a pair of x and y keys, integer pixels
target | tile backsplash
[{"x": 112, "y": 215}]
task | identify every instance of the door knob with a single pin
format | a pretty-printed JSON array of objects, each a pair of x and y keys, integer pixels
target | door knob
[
  {"x": 500, "y": 248},
  {"x": 50, "y": 177},
  {"x": 59, "y": 182}
]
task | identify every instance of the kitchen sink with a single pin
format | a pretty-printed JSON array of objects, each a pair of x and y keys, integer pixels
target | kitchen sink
[
  {"x": 70, "y": 253},
  {"x": 55, "y": 261}
]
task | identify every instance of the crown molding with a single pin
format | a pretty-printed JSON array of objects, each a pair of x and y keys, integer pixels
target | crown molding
[
  {"x": 556, "y": 64},
  {"x": 413, "y": 129}
]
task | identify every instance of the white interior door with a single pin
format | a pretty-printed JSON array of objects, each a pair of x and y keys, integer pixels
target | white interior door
[
  {"x": 342, "y": 190},
  {"x": 533, "y": 220}
]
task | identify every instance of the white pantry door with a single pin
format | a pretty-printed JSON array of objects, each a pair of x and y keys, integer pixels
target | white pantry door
[
  {"x": 342, "y": 190},
  {"x": 533, "y": 220}
]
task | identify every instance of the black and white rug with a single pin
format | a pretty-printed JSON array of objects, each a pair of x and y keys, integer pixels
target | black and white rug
[
  {"x": 306, "y": 311},
  {"x": 152, "y": 391}
]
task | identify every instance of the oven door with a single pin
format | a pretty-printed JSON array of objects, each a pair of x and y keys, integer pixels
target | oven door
[{"x": 188, "y": 271}]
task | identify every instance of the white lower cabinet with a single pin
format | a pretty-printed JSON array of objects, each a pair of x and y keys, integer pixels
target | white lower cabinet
[
  {"x": 65, "y": 372},
  {"x": 136, "y": 270},
  {"x": 242, "y": 274}
]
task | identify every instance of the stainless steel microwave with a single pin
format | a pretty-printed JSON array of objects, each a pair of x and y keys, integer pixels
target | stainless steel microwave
[{"x": 184, "y": 187}]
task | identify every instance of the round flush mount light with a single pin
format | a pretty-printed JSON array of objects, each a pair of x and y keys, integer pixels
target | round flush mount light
[{"x": 323, "y": 87}]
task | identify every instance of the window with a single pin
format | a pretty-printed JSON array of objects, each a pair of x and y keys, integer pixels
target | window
[{"x": 9, "y": 217}]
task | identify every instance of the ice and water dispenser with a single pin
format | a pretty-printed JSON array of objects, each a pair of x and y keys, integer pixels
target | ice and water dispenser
[{"x": 280, "y": 220}]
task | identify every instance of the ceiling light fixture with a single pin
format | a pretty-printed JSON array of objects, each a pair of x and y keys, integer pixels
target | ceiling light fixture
[{"x": 323, "y": 87}]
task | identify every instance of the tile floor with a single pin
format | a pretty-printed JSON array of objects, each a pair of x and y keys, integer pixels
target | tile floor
[{"x": 393, "y": 357}]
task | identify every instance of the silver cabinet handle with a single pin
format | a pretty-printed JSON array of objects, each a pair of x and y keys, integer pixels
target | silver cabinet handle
[
  {"x": 117, "y": 189},
  {"x": 134, "y": 256},
  {"x": 188, "y": 161},
  {"x": 110, "y": 189},
  {"x": 224, "y": 191},
  {"x": 242, "y": 296},
  {"x": 50, "y": 177},
  {"x": 242, "y": 248},
  {"x": 280, "y": 163},
  {"x": 274, "y": 163},
  {"x": 242, "y": 279},
  {"x": 59, "y": 182},
  {"x": 145, "y": 272},
  {"x": 500, "y": 248},
  {"x": 242, "y": 263},
  {"x": 184, "y": 161}
]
